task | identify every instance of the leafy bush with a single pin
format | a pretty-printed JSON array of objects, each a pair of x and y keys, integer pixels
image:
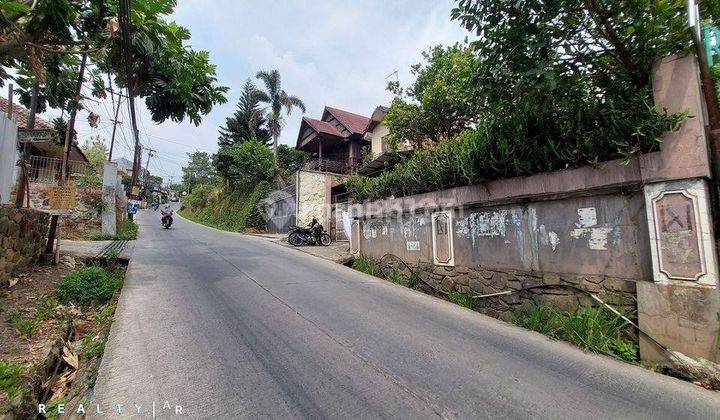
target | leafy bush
[
  {"x": 594, "y": 329},
  {"x": 227, "y": 208},
  {"x": 89, "y": 286},
  {"x": 366, "y": 264},
  {"x": 198, "y": 197},
  {"x": 251, "y": 162},
  {"x": 529, "y": 140}
]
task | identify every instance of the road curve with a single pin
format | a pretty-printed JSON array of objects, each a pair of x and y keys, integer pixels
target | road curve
[{"x": 231, "y": 326}]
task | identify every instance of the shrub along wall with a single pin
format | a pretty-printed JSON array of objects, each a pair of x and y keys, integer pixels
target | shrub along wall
[
  {"x": 23, "y": 233},
  {"x": 225, "y": 208}
]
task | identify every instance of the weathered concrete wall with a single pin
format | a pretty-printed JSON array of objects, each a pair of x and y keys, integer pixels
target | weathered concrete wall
[
  {"x": 312, "y": 196},
  {"x": 603, "y": 235},
  {"x": 109, "y": 209},
  {"x": 8, "y": 157},
  {"x": 23, "y": 233}
]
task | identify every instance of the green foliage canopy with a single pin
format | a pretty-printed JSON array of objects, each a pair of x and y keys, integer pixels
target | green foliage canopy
[{"x": 43, "y": 40}]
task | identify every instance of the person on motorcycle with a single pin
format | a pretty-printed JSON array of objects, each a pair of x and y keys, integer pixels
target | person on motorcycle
[
  {"x": 315, "y": 228},
  {"x": 166, "y": 212}
]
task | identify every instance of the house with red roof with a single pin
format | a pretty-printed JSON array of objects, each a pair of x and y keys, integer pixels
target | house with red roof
[
  {"x": 337, "y": 144},
  {"x": 333, "y": 142}
]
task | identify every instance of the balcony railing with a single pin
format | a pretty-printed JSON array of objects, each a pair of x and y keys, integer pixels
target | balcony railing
[
  {"x": 48, "y": 169},
  {"x": 336, "y": 166}
]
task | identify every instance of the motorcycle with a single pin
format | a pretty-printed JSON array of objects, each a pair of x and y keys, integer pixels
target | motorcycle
[
  {"x": 166, "y": 221},
  {"x": 155, "y": 205},
  {"x": 308, "y": 236}
]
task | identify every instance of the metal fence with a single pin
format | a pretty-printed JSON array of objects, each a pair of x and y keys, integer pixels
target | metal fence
[
  {"x": 280, "y": 210},
  {"x": 48, "y": 170}
]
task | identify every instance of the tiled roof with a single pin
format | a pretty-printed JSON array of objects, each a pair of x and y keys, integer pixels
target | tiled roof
[
  {"x": 322, "y": 126},
  {"x": 354, "y": 122},
  {"x": 21, "y": 115}
]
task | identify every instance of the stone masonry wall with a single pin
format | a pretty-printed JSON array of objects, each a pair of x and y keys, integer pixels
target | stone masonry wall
[
  {"x": 617, "y": 292},
  {"x": 23, "y": 233},
  {"x": 79, "y": 220}
]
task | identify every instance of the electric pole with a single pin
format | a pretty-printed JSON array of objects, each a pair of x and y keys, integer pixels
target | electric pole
[{"x": 146, "y": 175}]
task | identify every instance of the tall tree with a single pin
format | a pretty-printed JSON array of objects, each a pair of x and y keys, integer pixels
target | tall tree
[
  {"x": 277, "y": 99},
  {"x": 247, "y": 121},
  {"x": 199, "y": 170}
]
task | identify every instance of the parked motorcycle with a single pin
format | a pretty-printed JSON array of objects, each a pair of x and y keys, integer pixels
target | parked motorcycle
[
  {"x": 166, "y": 221},
  {"x": 315, "y": 235}
]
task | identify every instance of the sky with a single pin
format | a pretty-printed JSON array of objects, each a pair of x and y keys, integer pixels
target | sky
[{"x": 335, "y": 53}]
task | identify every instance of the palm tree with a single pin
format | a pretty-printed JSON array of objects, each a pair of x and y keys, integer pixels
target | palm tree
[{"x": 277, "y": 99}]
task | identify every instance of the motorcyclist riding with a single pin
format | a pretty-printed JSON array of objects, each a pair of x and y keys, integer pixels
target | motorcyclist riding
[{"x": 166, "y": 214}]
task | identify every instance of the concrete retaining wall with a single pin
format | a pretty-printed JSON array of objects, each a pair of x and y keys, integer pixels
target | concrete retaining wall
[
  {"x": 23, "y": 233},
  {"x": 624, "y": 230}
]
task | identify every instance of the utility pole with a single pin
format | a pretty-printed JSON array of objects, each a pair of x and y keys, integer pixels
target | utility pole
[
  {"x": 147, "y": 165},
  {"x": 114, "y": 130},
  {"x": 125, "y": 23}
]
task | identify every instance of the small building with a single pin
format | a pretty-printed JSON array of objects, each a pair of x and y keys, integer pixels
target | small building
[
  {"x": 338, "y": 144},
  {"x": 45, "y": 149}
]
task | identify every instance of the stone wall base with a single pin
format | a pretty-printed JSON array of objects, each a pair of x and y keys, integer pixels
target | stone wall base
[
  {"x": 617, "y": 292},
  {"x": 23, "y": 233}
]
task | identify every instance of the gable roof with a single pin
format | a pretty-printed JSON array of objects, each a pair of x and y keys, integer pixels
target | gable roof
[
  {"x": 322, "y": 126},
  {"x": 21, "y": 115},
  {"x": 353, "y": 122}
]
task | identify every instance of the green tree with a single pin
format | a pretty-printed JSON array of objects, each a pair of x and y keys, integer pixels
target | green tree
[
  {"x": 154, "y": 182},
  {"x": 251, "y": 163},
  {"x": 96, "y": 153},
  {"x": 43, "y": 40},
  {"x": 289, "y": 159},
  {"x": 199, "y": 170},
  {"x": 247, "y": 121},
  {"x": 277, "y": 99},
  {"x": 441, "y": 103}
]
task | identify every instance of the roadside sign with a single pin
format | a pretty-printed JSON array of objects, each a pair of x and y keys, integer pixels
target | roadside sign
[
  {"x": 62, "y": 197},
  {"x": 135, "y": 190},
  {"x": 30, "y": 136}
]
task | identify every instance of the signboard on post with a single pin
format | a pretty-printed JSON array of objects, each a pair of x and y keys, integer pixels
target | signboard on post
[
  {"x": 62, "y": 197},
  {"x": 31, "y": 136}
]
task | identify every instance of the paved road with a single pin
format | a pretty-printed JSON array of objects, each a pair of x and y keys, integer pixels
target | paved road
[{"x": 230, "y": 326}]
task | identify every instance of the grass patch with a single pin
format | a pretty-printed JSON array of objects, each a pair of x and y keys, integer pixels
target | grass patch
[
  {"x": 593, "y": 329},
  {"x": 126, "y": 231},
  {"x": 11, "y": 378},
  {"x": 90, "y": 286},
  {"x": 463, "y": 299},
  {"x": 366, "y": 264}
]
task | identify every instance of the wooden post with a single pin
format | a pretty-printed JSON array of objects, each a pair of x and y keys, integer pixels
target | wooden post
[{"x": 319, "y": 154}]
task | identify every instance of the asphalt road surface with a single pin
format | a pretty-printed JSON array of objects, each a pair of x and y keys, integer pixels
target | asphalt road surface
[{"x": 231, "y": 326}]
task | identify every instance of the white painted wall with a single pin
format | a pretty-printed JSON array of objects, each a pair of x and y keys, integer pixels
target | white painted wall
[{"x": 8, "y": 157}]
